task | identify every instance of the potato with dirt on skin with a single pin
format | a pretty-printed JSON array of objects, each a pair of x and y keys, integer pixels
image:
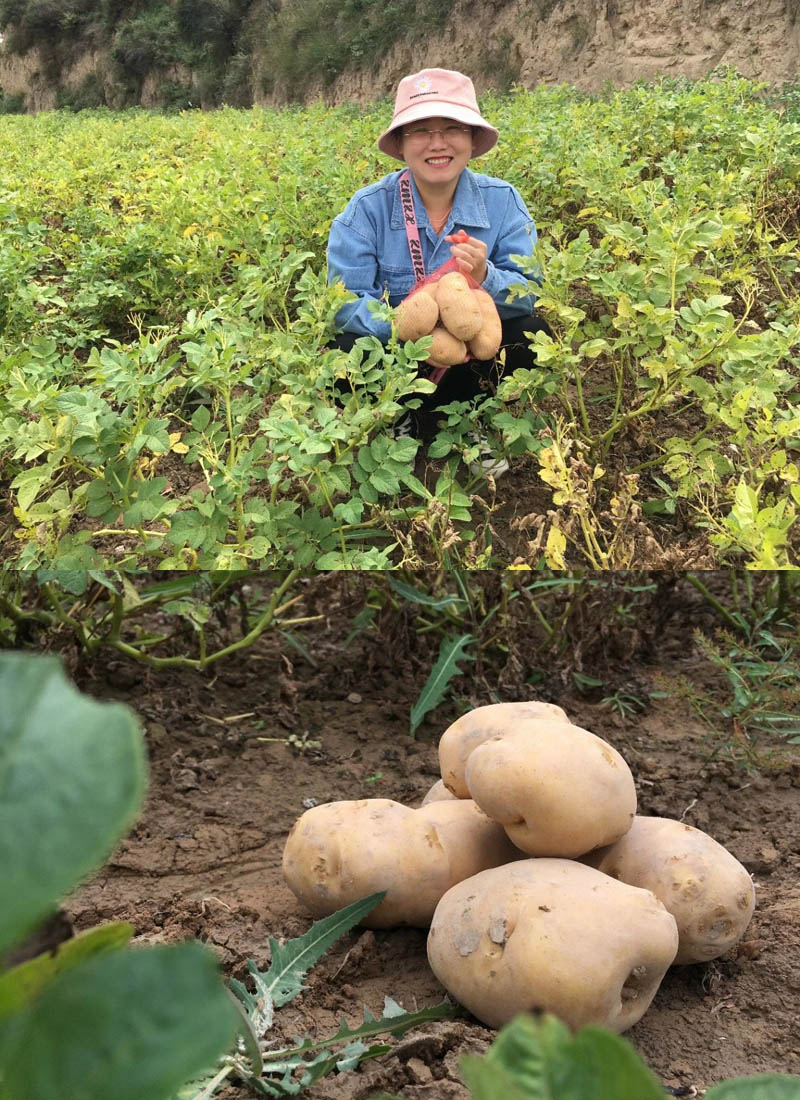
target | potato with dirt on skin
[
  {"x": 340, "y": 852},
  {"x": 458, "y": 306},
  {"x": 485, "y": 344},
  {"x": 551, "y": 935},
  {"x": 479, "y": 725},
  {"x": 557, "y": 789},
  {"x": 416, "y": 316},
  {"x": 709, "y": 893},
  {"x": 446, "y": 349}
]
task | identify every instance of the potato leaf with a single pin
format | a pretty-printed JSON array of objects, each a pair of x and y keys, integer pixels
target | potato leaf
[
  {"x": 129, "y": 1024},
  {"x": 451, "y": 652},
  {"x": 488, "y": 1082},
  {"x": 766, "y": 1086},
  {"x": 543, "y": 1061},
  {"x": 72, "y": 778},
  {"x": 20, "y": 985}
]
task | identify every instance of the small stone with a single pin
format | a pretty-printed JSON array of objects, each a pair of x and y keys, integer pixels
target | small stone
[
  {"x": 156, "y": 733},
  {"x": 419, "y": 1073},
  {"x": 185, "y": 780},
  {"x": 354, "y": 697}
]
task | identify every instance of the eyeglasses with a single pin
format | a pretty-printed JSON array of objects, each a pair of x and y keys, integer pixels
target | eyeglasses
[{"x": 450, "y": 133}]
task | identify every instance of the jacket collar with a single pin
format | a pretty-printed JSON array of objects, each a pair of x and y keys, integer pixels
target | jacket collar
[{"x": 468, "y": 204}]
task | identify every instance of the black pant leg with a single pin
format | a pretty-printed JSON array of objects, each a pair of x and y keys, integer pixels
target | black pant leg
[{"x": 480, "y": 377}]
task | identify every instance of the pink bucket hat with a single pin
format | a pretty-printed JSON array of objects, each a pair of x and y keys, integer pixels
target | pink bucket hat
[{"x": 437, "y": 92}]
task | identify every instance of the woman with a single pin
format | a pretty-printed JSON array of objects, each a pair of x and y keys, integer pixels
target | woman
[{"x": 479, "y": 220}]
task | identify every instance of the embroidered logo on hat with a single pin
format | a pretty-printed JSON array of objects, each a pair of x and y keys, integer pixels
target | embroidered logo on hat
[{"x": 423, "y": 85}]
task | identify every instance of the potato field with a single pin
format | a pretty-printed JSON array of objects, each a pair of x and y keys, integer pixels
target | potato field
[
  {"x": 167, "y": 393},
  {"x": 245, "y": 701}
]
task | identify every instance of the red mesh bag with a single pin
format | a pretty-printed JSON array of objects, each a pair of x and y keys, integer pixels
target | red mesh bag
[{"x": 446, "y": 305}]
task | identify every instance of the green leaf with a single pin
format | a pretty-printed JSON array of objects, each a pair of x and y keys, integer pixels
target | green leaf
[
  {"x": 130, "y": 1024},
  {"x": 413, "y": 595},
  {"x": 384, "y": 482},
  {"x": 74, "y": 581},
  {"x": 766, "y": 1086},
  {"x": 21, "y": 984},
  {"x": 72, "y": 778},
  {"x": 602, "y": 1065},
  {"x": 154, "y": 436},
  {"x": 451, "y": 652},
  {"x": 201, "y": 418},
  {"x": 29, "y": 484},
  {"x": 491, "y": 1082},
  {"x": 545, "y": 1062},
  {"x": 317, "y": 1059},
  {"x": 291, "y": 961}
]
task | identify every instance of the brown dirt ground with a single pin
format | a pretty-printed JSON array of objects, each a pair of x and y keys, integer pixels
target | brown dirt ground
[{"x": 204, "y": 859}]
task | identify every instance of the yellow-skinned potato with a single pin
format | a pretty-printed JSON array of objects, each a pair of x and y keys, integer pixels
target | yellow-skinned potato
[
  {"x": 446, "y": 348},
  {"x": 339, "y": 852},
  {"x": 416, "y": 316},
  {"x": 479, "y": 725},
  {"x": 557, "y": 789},
  {"x": 458, "y": 306},
  {"x": 709, "y": 893},
  {"x": 551, "y": 935},
  {"x": 486, "y": 343},
  {"x": 438, "y": 793}
]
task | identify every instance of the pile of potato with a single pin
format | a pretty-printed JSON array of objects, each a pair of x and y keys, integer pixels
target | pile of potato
[
  {"x": 542, "y": 888},
  {"x": 463, "y": 320}
]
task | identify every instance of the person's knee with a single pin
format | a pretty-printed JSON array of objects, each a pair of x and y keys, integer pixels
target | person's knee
[{"x": 516, "y": 328}]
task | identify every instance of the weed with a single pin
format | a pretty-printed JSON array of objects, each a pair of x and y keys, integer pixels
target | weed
[{"x": 754, "y": 698}]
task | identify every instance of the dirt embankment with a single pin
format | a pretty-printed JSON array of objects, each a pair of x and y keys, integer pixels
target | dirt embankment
[{"x": 587, "y": 43}]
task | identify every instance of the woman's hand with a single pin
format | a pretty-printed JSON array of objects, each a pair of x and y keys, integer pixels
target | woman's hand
[{"x": 469, "y": 253}]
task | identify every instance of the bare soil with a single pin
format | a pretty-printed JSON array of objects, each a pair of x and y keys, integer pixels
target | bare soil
[{"x": 205, "y": 858}]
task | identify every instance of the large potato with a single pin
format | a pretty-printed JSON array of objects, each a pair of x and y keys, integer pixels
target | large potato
[
  {"x": 458, "y": 306},
  {"x": 341, "y": 851},
  {"x": 479, "y": 725},
  {"x": 416, "y": 316},
  {"x": 557, "y": 789},
  {"x": 551, "y": 935},
  {"x": 485, "y": 344},
  {"x": 446, "y": 349},
  {"x": 707, "y": 890},
  {"x": 438, "y": 793}
]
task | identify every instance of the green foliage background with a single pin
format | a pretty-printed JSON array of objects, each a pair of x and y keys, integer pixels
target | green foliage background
[
  {"x": 151, "y": 261},
  {"x": 233, "y": 48}
]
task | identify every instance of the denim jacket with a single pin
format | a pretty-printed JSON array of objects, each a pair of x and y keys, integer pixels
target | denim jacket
[{"x": 368, "y": 246}]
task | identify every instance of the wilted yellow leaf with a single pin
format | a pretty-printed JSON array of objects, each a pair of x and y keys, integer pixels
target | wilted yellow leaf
[{"x": 554, "y": 550}]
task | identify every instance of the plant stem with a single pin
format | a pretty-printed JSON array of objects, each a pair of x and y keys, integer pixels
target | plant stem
[
  {"x": 695, "y": 582},
  {"x": 211, "y": 1087},
  {"x": 262, "y": 623}
]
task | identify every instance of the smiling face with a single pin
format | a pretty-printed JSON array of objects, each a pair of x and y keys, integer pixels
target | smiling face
[{"x": 436, "y": 158}]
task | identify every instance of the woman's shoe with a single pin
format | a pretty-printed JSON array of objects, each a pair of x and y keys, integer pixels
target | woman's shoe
[{"x": 405, "y": 427}]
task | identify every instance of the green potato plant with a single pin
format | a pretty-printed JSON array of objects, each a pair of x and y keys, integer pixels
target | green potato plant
[
  {"x": 170, "y": 398},
  {"x": 95, "y": 1018}
]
